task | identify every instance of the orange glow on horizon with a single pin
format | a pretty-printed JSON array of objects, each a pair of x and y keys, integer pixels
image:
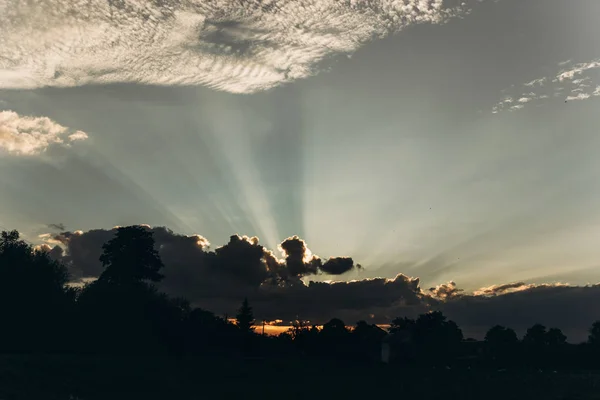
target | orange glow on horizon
[{"x": 274, "y": 330}]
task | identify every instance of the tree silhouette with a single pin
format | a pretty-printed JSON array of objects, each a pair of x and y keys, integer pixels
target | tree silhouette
[
  {"x": 500, "y": 338},
  {"x": 501, "y": 343},
  {"x": 402, "y": 332},
  {"x": 402, "y": 325},
  {"x": 334, "y": 329},
  {"x": 368, "y": 332},
  {"x": 535, "y": 336},
  {"x": 436, "y": 336},
  {"x": 124, "y": 296},
  {"x": 130, "y": 257},
  {"x": 555, "y": 337},
  {"x": 368, "y": 340},
  {"x": 334, "y": 340},
  {"x": 245, "y": 318},
  {"x": 594, "y": 334},
  {"x": 33, "y": 297}
]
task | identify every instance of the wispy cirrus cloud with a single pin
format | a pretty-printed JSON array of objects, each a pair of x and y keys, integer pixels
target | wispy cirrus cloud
[
  {"x": 571, "y": 82},
  {"x": 27, "y": 136},
  {"x": 240, "y": 47}
]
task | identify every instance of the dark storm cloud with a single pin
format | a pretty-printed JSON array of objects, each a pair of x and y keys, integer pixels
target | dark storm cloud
[
  {"x": 571, "y": 308},
  {"x": 320, "y": 301},
  {"x": 236, "y": 269},
  {"x": 83, "y": 251},
  {"x": 190, "y": 270},
  {"x": 218, "y": 280},
  {"x": 337, "y": 265}
]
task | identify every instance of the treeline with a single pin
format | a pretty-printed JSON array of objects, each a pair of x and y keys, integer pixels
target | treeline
[{"x": 122, "y": 312}]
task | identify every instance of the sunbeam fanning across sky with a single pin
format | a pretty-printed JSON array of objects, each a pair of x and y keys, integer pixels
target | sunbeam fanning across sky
[{"x": 235, "y": 149}]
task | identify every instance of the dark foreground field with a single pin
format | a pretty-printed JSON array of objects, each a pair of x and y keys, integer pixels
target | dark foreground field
[{"x": 87, "y": 378}]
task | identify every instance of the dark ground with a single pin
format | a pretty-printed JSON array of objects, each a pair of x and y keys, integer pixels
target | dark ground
[{"x": 89, "y": 378}]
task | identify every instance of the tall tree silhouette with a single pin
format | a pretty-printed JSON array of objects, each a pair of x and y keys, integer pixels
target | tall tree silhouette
[
  {"x": 124, "y": 296},
  {"x": 245, "y": 318},
  {"x": 130, "y": 257}
]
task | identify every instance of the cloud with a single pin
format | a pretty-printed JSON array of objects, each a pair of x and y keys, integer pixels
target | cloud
[
  {"x": 299, "y": 260},
  {"x": 219, "y": 279},
  {"x": 27, "y": 136},
  {"x": 446, "y": 291},
  {"x": 495, "y": 290},
  {"x": 235, "y": 269},
  {"x": 579, "y": 96},
  {"x": 55, "y": 252},
  {"x": 570, "y": 308},
  {"x": 337, "y": 265},
  {"x": 536, "y": 82},
  {"x": 79, "y": 135},
  {"x": 571, "y": 82},
  {"x": 240, "y": 47},
  {"x": 577, "y": 69},
  {"x": 57, "y": 227},
  {"x": 350, "y": 301}
]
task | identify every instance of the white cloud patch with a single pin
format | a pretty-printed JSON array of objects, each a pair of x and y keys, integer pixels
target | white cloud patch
[
  {"x": 28, "y": 136},
  {"x": 77, "y": 136},
  {"x": 577, "y": 69},
  {"x": 240, "y": 47},
  {"x": 571, "y": 82},
  {"x": 579, "y": 96},
  {"x": 536, "y": 82}
]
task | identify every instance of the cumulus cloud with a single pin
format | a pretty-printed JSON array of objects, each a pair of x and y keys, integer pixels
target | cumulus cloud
[
  {"x": 351, "y": 301},
  {"x": 219, "y": 279},
  {"x": 337, "y": 265},
  {"x": 79, "y": 135},
  {"x": 299, "y": 260},
  {"x": 240, "y": 267},
  {"x": 240, "y": 47},
  {"x": 571, "y": 82},
  {"x": 446, "y": 291},
  {"x": 27, "y": 136},
  {"x": 571, "y": 308}
]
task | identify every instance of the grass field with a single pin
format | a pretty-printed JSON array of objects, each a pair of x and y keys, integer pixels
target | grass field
[{"x": 88, "y": 378}]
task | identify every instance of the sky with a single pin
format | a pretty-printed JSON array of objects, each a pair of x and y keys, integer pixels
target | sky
[{"x": 445, "y": 140}]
